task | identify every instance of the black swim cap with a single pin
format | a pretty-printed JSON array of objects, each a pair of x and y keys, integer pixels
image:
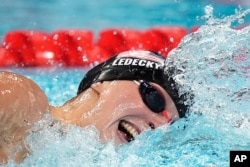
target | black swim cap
[{"x": 136, "y": 65}]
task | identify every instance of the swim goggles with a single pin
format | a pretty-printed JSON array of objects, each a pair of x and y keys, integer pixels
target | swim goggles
[{"x": 153, "y": 99}]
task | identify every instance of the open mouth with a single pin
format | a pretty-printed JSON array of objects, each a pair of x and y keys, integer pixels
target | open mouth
[{"x": 128, "y": 130}]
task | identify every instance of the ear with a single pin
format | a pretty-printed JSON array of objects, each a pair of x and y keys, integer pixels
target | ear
[{"x": 98, "y": 87}]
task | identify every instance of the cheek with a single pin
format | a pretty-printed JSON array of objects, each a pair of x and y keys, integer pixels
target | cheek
[
  {"x": 123, "y": 102},
  {"x": 118, "y": 100},
  {"x": 115, "y": 108},
  {"x": 111, "y": 108}
]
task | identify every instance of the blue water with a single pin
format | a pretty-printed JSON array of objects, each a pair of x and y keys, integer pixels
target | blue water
[
  {"x": 50, "y": 15},
  {"x": 214, "y": 64}
]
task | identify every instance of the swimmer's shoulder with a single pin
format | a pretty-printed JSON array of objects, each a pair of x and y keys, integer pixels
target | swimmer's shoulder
[
  {"x": 21, "y": 92},
  {"x": 22, "y": 103}
]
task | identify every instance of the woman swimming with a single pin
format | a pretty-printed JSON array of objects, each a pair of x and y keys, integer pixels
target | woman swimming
[{"x": 122, "y": 97}]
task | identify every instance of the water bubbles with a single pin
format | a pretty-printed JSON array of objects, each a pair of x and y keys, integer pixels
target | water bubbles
[
  {"x": 210, "y": 19},
  {"x": 79, "y": 48},
  {"x": 85, "y": 58},
  {"x": 171, "y": 39},
  {"x": 208, "y": 12},
  {"x": 55, "y": 36},
  {"x": 56, "y": 78}
]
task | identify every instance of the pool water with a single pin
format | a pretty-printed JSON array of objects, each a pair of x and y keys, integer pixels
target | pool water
[
  {"x": 48, "y": 15},
  {"x": 212, "y": 63}
]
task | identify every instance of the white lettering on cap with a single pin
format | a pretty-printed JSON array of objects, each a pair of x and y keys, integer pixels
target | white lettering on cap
[
  {"x": 136, "y": 62},
  {"x": 128, "y": 61}
]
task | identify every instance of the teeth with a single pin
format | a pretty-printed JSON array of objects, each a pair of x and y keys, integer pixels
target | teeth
[{"x": 130, "y": 129}]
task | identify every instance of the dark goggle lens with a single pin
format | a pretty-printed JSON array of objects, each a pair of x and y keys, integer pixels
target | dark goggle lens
[{"x": 151, "y": 97}]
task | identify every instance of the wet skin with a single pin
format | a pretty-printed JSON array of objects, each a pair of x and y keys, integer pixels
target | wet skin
[
  {"x": 111, "y": 102},
  {"x": 22, "y": 103},
  {"x": 115, "y": 108}
]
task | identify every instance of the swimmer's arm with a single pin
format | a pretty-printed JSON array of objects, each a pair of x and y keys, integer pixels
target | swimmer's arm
[{"x": 22, "y": 103}]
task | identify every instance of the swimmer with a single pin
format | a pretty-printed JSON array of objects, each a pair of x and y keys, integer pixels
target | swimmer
[{"x": 122, "y": 97}]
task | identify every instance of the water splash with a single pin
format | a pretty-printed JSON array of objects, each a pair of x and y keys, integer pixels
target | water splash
[
  {"x": 215, "y": 63},
  {"x": 210, "y": 19}
]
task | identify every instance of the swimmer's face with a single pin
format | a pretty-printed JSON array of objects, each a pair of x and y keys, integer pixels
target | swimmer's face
[{"x": 120, "y": 113}]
